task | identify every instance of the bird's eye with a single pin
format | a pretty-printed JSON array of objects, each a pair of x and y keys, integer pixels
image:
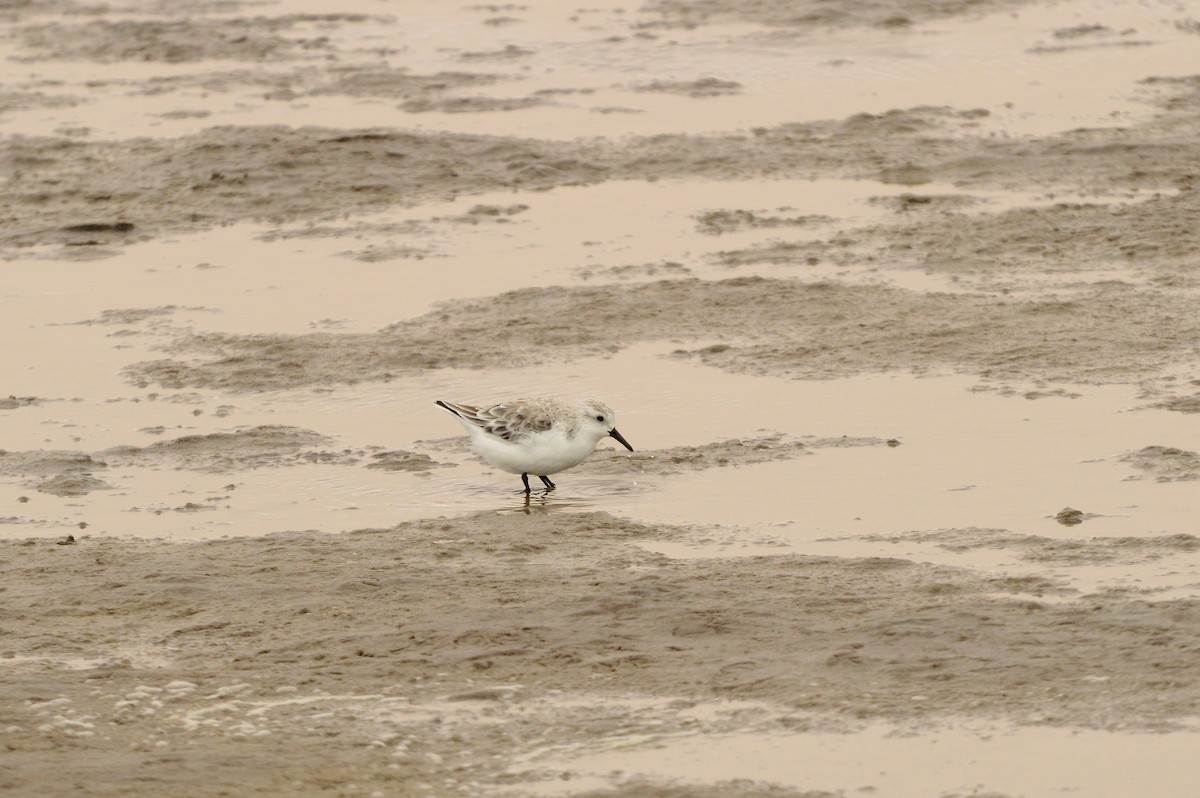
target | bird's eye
[{"x": 600, "y": 419}]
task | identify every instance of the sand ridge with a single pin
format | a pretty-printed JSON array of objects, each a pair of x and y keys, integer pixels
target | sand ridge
[{"x": 1111, "y": 332}]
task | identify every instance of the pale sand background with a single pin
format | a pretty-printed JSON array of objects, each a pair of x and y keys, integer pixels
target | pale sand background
[{"x": 876, "y": 289}]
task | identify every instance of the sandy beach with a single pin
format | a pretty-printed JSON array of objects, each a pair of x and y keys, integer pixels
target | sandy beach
[{"x": 897, "y": 303}]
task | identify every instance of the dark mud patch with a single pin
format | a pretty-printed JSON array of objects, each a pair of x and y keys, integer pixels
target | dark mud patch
[
  {"x": 72, "y": 485},
  {"x": 126, "y": 316},
  {"x": 227, "y": 452},
  {"x": 1154, "y": 236},
  {"x": 1055, "y": 551},
  {"x": 734, "y": 221},
  {"x": 926, "y": 203},
  {"x": 719, "y": 454},
  {"x": 472, "y": 105},
  {"x": 59, "y": 473},
  {"x": 1113, "y": 333},
  {"x": 401, "y": 460},
  {"x": 1178, "y": 404},
  {"x": 47, "y": 463},
  {"x": 177, "y": 41},
  {"x": 814, "y": 14},
  {"x": 736, "y": 788},
  {"x": 12, "y": 402},
  {"x": 1088, "y": 37},
  {"x": 379, "y": 81},
  {"x": 703, "y": 87},
  {"x": 218, "y": 452},
  {"x": 1165, "y": 463},
  {"x": 22, "y": 100},
  {"x": 416, "y": 91},
  {"x": 633, "y": 271}
]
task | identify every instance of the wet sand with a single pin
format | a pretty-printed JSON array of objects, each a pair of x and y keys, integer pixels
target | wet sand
[{"x": 909, "y": 359}]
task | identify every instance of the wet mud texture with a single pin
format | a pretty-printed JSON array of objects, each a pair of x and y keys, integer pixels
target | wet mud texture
[
  {"x": 430, "y": 657},
  {"x": 814, "y": 14},
  {"x": 230, "y": 174},
  {"x": 1113, "y": 332},
  {"x": 71, "y": 473},
  {"x": 430, "y": 651}
]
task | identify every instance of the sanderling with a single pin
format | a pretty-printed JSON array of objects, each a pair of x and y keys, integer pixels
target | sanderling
[{"x": 537, "y": 436}]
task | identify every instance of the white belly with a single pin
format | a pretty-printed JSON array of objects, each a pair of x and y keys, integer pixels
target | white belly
[{"x": 541, "y": 454}]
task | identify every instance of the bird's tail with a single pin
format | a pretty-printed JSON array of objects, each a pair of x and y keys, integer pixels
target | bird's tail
[{"x": 465, "y": 413}]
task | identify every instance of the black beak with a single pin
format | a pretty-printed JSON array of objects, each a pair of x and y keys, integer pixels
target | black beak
[{"x": 617, "y": 435}]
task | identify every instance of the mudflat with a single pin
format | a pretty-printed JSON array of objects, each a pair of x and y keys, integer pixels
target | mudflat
[{"x": 897, "y": 304}]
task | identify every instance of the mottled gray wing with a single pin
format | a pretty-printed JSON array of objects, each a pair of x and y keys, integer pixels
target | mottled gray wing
[
  {"x": 513, "y": 420},
  {"x": 507, "y": 420}
]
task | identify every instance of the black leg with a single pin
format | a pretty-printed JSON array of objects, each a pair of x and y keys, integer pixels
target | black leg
[
  {"x": 525, "y": 479},
  {"x": 546, "y": 481}
]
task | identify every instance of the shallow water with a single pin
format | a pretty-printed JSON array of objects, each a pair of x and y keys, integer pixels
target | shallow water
[
  {"x": 966, "y": 459},
  {"x": 898, "y": 762}
]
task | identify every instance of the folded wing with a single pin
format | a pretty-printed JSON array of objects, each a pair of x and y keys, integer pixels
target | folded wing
[{"x": 507, "y": 420}]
